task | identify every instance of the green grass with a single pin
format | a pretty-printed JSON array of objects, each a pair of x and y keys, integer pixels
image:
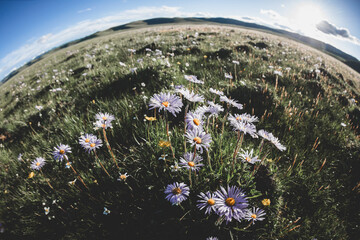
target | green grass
[{"x": 311, "y": 185}]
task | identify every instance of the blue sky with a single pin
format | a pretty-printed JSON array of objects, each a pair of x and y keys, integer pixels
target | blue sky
[{"x": 31, "y": 27}]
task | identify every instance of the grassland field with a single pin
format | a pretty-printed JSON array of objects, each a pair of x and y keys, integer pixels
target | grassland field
[{"x": 305, "y": 98}]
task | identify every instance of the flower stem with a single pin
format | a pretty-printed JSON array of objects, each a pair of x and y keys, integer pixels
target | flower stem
[
  {"x": 76, "y": 173},
  {"x": 222, "y": 132},
  {"x": 168, "y": 135},
  {"x": 261, "y": 146},
  {"x": 186, "y": 109},
  {"x": 208, "y": 157},
  {"x": 97, "y": 158},
  {"x": 238, "y": 145},
  {"x": 109, "y": 148},
  {"x": 47, "y": 180},
  {"x": 190, "y": 177}
]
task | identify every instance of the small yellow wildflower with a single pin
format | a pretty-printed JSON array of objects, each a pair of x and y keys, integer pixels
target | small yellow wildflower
[
  {"x": 164, "y": 144},
  {"x": 31, "y": 175},
  {"x": 266, "y": 202},
  {"x": 150, "y": 118},
  {"x": 205, "y": 57},
  {"x": 93, "y": 101},
  {"x": 178, "y": 63}
]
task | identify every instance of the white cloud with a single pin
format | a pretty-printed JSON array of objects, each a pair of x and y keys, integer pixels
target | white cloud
[
  {"x": 282, "y": 5},
  {"x": 50, "y": 40},
  {"x": 338, "y": 32},
  {"x": 271, "y": 13},
  {"x": 84, "y": 10}
]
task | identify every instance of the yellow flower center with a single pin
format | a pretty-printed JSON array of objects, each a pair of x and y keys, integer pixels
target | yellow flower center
[
  {"x": 87, "y": 140},
  {"x": 123, "y": 177},
  {"x": 196, "y": 121},
  {"x": 104, "y": 118},
  {"x": 166, "y": 104},
  {"x": 103, "y": 125},
  {"x": 230, "y": 202},
  {"x": 197, "y": 140},
  {"x": 191, "y": 164},
  {"x": 92, "y": 145},
  {"x": 38, "y": 164},
  {"x": 253, "y": 216},
  {"x": 238, "y": 118},
  {"x": 211, "y": 201},
  {"x": 248, "y": 159},
  {"x": 62, "y": 151},
  {"x": 176, "y": 191}
]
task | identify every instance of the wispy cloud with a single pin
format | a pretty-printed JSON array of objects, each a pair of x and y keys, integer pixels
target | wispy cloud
[
  {"x": 331, "y": 29},
  {"x": 84, "y": 10},
  {"x": 271, "y": 13},
  {"x": 83, "y": 28}
]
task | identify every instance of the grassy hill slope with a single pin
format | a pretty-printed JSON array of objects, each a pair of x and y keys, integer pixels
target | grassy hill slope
[{"x": 349, "y": 60}]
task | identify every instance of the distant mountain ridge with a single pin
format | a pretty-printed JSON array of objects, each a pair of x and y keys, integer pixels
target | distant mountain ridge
[{"x": 349, "y": 60}]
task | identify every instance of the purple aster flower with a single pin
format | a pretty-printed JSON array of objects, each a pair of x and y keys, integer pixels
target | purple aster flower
[
  {"x": 85, "y": 139},
  {"x": 194, "y": 120},
  {"x": 177, "y": 87},
  {"x": 199, "y": 138},
  {"x": 231, "y": 204},
  {"x": 103, "y": 120},
  {"x": 207, "y": 201},
  {"x": 255, "y": 215},
  {"x": 166, "y": 101},
  {"x": 106, "y": 211},
  {"x": 68, "y": 164},
  {"x": 247, "y": 156},
  {"x": 228, "y": 76},
  {"x": 192, "y": 78},
  {"x": 102, "y": 124},
  {"x": 177, "y": 192},
  {"x": 191, "y": 96},
  {"x": 175, "y": 167},
  {"x": 212, "y": 238},
  {"x": 201, "y": 110},
  {"x": 246, "y": 128},
  {"x": 123, "y": 177},
  {"x": 246, "y": 118},
  {"x": 217, "y": 92},
  {"x": 90, "y": 142},
  {"x": 191, "y": 162},
  {"x": 233, "y": 103},
  {"x": 37, "y": 164},
  {"x": 47, "y": 210},
  {"x": 276, "y": 142},
  {"x": 61, "y": 151},
  {"x": 214, "y": 109},
  {"x": 264, "y": 134},
  {"x": 104, "y": 117}
]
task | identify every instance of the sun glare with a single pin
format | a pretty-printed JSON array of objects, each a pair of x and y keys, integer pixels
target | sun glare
[{"x": 307, "y": 15}]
